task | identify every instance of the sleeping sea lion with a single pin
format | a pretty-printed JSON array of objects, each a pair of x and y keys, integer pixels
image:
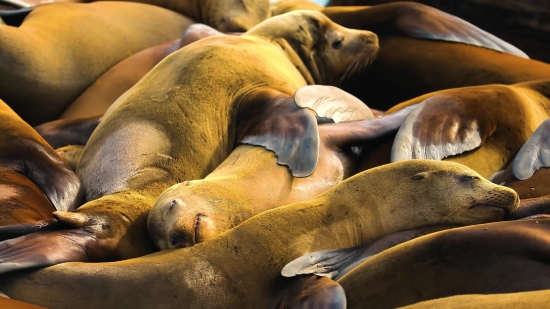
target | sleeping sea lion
[
  {"x": 494, "y": 258},
  {"x": 138, "y": 149},
  {"x": 362, "y": 208},
  {"x": 195, "y": 211},
  {"x": 125, "y": 74},
  {"x": 419, "y": 54},
  {"x": 481, "y": 127},
  {"x": 61, "y": 48}
]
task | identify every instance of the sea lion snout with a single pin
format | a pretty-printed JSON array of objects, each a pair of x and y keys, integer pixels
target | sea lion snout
[{"x": 499, "y": 197}]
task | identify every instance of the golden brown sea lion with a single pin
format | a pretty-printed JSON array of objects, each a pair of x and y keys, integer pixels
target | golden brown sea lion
[
  {"x": 424, "y": 62},
  {"x": 481, "y": 127},
  {"x": 198, "y": 210},
  {"x": 360, "y": 209},
  {"x": 284, "y": 6},
  {"x": 519, "y": 300},
  {"x": 139, "y": 149},
  {"x": 15, "y": 304},
  {"x": 494, "y": 258},
  {"x": 125, "y": 74},
  {"x": 50, "y": 63}
]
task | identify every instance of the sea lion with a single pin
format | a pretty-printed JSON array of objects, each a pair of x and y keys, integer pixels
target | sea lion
[
  {"x": 511, "y": 256},
  {"x": 362, "y": 208},
  {"x": 53, "y": 62},
  {"x": 15, "y": 304},
  {"x": 124, "y": 75},
  {"x": 23, "y": 206},
  {"x": 523, "y": 300},
  {"x": 481, "y": 127},
  {"x": 195, "y": 211},
  {"x": 138, "y": 149},
  {"x": 427, "y": 61},
  {"x": 23, "y": 151},
  {"x": 284, "y": 6}
]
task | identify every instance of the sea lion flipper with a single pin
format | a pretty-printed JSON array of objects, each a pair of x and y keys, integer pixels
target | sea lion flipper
[
  {"x": 286, "y": 129},
  {"x": 451, "y": 130},
  {"x": 355, "y": 133},
  {"x": 43, "y": 249},
  {"x": 64, "y": 132},
  {"x": 311, "y": 291},
  {"x": 326, "y": 263},
  {"x": 15, "y": 18},
  {"x": 333, "y": 103},
  {"x": 17, "y": 230},
  {"x": 534, "y": 154},
  {"x": 425, "y": 22}
]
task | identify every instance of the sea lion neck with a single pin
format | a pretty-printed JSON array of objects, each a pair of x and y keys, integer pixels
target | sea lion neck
[{"x": 296, "y": 55}]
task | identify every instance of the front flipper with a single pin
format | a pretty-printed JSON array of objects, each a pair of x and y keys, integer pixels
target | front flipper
[
  {"x": 326, "y": 263},
  {"x": 425, "y": 22},
  {"x": 64, "y": 132},
  {"x": 271, "y": 119},
  {"x": 313, "y": 292},
  {"x": 333, "y": 103},
  {"x": 534, "y": 154},
  {"x": 356, "y": 133},
  {"x": 17, "y": 230},
  {"x": 439, "y": 127},
  {"x": 43, "y": 249}
]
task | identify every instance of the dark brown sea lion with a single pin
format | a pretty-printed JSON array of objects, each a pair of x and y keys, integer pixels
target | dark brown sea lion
[
  {"x": 235, "y": 95},
  {"x": 360, "y": 209},
  {"x": 426, "y": 63},
  {"x": 484, "y": 125},
  {"x": 61, "y": 48},
  {"x": 23, "y": 151},
  {"x": 64, "y": 132},
  {"x": 23, "y": 206},
  {"x": 198, "y": 210},
  {"x": 124, "y": 75},
  {"x": 502, "y": 257}
]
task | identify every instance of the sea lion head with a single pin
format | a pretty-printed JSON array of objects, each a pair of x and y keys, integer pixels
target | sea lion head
[
  {"x": 189, "y": 213},
  {"x": 233, "y": 15},
  {"x": 442, "y": 192},
  {"x": 324, "y": 52}
]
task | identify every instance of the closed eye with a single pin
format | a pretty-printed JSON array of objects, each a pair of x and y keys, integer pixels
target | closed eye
[
  {"x": 337, "y": 44},
  {"x": 465, "y": 178}
]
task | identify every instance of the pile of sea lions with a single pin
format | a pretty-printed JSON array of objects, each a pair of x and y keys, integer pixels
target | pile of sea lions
[{"x": 246, "y": 154}]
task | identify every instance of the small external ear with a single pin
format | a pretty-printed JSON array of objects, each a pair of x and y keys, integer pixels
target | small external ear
[
  {"x": 333, "y": 103},
  {"x": 421, "y": 175}
]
